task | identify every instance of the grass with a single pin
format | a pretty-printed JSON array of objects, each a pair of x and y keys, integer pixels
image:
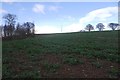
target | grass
[{"x": 102, "y": 45}]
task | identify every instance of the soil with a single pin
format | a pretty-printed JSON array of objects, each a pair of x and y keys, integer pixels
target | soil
[{"x": 87, "y": 70}]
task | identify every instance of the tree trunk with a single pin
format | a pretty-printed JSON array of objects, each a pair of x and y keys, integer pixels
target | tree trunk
[
  {"x": 89, "y": 30},
  {"x": 100, "y": 29}
]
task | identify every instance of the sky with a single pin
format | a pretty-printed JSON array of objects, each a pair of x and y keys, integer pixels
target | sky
[{"x": 61, "y": 17}]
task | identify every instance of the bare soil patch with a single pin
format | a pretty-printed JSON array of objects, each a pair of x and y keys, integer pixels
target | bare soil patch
[{"x": 86, "y": 70}]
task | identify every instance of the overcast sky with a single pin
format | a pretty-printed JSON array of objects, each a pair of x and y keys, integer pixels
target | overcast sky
[{"x": 51, "y": 17}]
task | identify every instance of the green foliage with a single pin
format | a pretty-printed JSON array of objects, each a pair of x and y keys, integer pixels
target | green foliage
[
  {"x": 69, "y": 59},
  {"x": 51, "y": 67},
  {"x": 114, "y": 73},
  {"x": 29, "y": 74},
  {"x": 6, "y": 72},
  {"x": 102, "y": 45},
  {"x": 97, "y": 64}
]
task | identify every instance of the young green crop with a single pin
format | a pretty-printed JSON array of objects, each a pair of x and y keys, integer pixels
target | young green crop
[
  {"x": 114, "y": 73},
  {"x": 102, "y": 45},
  {"x": 51, "y": 67},
  {"x": 70, "y": 59}
]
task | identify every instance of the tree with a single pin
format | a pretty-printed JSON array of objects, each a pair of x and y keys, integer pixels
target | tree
[
  {"x": 5, "y": 30},
  {"x": 100, "y": 26},
  {"x": 89, "y": 27},
  {"x": 25, "y": 29},
  {"x": 17, "y": 31},
  {"x": 33, "y": 30},
  {"x": 20, "y": 30},
  {"x": 118, "y": 27},
  {"x": 10, "y": 29},
  {"x": 10, "y": 20},
  {"x": 29, "y": 28},
  {"x": 113, "y": 26},
  {"x": 1, "y": 30}
]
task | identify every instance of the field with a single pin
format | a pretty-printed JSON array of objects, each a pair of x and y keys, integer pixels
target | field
[{"x": 67, "y": 55}]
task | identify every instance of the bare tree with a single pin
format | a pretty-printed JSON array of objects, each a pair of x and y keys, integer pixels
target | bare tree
[
  {"x": 100, "y": 26},
  {"x": 29, "y": 28},
  {"x": 89, "y": 27},
  {"x": 10, "y": 20},
  {"x": 1, "y": 30},
  {"x": 25, "y": 29},
  {"x": 20, "y": 30},
  {"x": 17, "y": 31},
  {"x": 113, "y": 26},
  {"x": 5, "y": 30}
]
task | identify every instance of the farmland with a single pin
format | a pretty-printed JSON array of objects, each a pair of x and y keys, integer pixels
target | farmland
[{"x": 80, "y": 54}]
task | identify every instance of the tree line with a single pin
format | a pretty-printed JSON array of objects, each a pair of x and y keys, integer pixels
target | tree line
[
  {"x": 100, "y": 26},
  {"x": 11, "y": 29}
]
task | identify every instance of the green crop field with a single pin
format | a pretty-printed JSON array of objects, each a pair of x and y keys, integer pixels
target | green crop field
[{"x": 23, "y": 58}]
